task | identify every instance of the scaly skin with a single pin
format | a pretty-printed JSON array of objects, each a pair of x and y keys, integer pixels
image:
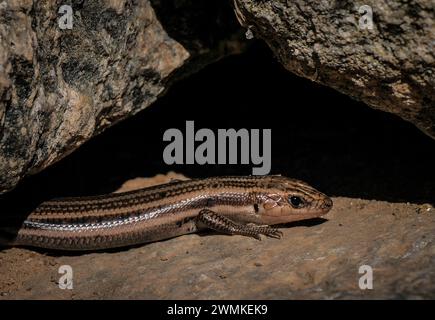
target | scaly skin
[{"x": 233, "y": 205}]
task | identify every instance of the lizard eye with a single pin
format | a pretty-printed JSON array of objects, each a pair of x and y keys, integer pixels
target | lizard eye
[{"x": 296, "y": 201}]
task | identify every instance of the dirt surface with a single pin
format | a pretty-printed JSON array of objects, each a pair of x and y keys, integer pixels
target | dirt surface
[{"x": 315, "y": 259}]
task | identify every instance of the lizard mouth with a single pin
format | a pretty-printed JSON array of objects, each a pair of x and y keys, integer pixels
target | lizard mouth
[{"x": 326, "y": 204}]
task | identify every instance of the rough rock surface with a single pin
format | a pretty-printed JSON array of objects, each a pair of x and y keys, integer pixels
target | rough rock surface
[
  {"x": 59, "y": 87},
  {"x": 317, "y": 259},
  {"x": 390, "y": 67}
]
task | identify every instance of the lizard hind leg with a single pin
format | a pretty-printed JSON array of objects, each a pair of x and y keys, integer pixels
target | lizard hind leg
[{"x": 220, "y": 223}]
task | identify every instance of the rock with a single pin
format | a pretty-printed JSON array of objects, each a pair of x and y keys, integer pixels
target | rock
[
  {"x": 60, "y": 87},
  {"x": 318, "y": 259},
  {"x": 390, "y": 67}
]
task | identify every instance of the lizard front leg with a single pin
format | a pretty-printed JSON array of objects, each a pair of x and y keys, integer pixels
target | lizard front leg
[{"x": 217, "y": 222}]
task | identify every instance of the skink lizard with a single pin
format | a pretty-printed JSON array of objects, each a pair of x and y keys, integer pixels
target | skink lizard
[{"x": 245, "y": 206}]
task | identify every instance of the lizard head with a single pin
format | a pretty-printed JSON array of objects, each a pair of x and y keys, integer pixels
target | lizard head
[{"x": 291, "y": 200}]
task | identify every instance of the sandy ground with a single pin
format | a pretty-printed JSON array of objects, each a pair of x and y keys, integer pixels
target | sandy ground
[{"x": 315, "y": 259}]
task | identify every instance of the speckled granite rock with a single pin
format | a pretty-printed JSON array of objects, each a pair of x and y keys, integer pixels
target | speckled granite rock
[
  {"x": 60, "y": 87},
  {"x": 317, "y": 259},
  {"x": 390, "y": 67}
]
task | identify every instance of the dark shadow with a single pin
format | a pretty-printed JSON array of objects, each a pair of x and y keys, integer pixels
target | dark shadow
[
  {"x": 198, "y": 25},
  {"x": 208, "y": 30},
  {"x": 76, "y": 253},
  {"x": 303, "y": 223},
  {"x": 337, "y": 144}
]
